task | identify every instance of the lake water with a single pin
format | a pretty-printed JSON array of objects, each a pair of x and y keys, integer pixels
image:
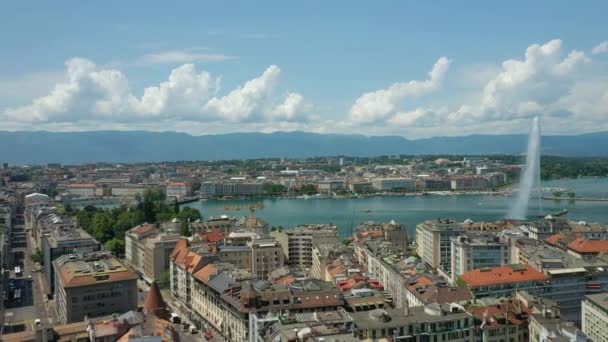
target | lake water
[{"x": 411, "y": 210}]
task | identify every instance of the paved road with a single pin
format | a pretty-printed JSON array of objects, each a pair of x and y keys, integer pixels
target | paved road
[{"x": 32, "y": 305}]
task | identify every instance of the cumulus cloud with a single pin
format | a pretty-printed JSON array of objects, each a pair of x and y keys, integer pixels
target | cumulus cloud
[
  {"x": 524, "y": 87},
  {"x": 600, "y": 48},
  {"x": 91, "y": 93},
  {"x": 378, "y": 104},
  {"x": 243, "y": 101},
  {"x": 183, "y": 56},
  {"x": 85, "y": 88},
  {"x": 566, "y": 85},
  {"x": 408, "y": 118},
  {"x": 186, "y": 91},
  {"x": 288, "y": 110}
]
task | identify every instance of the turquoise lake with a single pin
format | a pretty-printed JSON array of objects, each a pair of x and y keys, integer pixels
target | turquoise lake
[{"x": 411, "y": 210}]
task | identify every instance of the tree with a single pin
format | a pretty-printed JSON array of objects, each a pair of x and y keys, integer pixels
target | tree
[
  {"x": 196, "y": 186},
  {"x": 190, "y": 214},
  {"x": 571, "y": 194},
  {"x": 272, "y": 189},
  {"x": 164, "y": 279},
  {"x": 37, "y": 256},
  {"x": 175, "y": 206},
  {"x": 102, "y": 226},
  {"x": 185, "y": 228},
  {"x": 122, "y": 224},
  {"x": 148, "y": 209},
  {"x": 308, "y": 189},
  {"x": 116, "y": 246},
  {"x": 460, "y": 282},
  {"x": 558, "y": 193}
]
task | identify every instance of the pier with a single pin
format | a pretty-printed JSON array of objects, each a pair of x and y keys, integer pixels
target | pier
[{"x": 580, "y": 199}]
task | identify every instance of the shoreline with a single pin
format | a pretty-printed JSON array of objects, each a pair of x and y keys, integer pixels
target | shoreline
[{"x": 340, "y": 197}]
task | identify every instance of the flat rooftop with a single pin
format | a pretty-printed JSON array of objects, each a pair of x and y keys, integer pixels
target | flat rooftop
[
  {"x": 89, "y": 269},
  {"x": 599, "y": 299},
  {"x": 419, "y": 314},
  {"x": 59, "y": 235}
]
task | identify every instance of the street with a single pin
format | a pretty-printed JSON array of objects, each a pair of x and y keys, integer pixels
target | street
[{"x": 33, "y": 302}]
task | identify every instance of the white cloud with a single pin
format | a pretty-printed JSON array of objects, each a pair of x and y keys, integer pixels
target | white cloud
[
  {"x": 378, "y": 104},
  {"x": 408, "y": 118},
  {"x": 288, "y": 110},
  {"x": 574, "y": 59},
  {"x": 91, "y": 93},
  {"x": 600, "y": 48},
  {"x": 186, "y": 92},
  {"x": 183, "y": 56},
  {"x": 569, "y": 87},
  {"x": 243, "y": 101},
  {"x": 525, "y": 86}
]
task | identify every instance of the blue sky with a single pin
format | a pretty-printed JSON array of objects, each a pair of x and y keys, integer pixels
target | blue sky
[{"x": 339, "y": 67}]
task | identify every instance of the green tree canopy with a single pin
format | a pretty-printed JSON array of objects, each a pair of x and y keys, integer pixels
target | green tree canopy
[{"x": 116, "y": 247}]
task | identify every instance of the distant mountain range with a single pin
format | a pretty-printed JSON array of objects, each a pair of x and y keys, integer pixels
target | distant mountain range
[{"x": 138, "y": 146}]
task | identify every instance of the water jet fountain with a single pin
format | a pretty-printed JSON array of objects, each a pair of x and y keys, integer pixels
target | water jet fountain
[{"x": 531, "y": 176}]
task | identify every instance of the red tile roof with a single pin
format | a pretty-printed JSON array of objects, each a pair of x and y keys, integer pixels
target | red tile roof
[
  {"x": 502, "y": 275},
  {"x": 213, "y": 236},
  {"x": 205, "y": 273},
  {"x": 143, "y": 228},
  {"x": 554, "y": 239},
  {"x": 582, "y": 245},
  {"x": 373, "y": 233},
  {"x": 180, "y": 250},
  {"x": 496, "y": 315},
  {"x": 287, "y": 279}
]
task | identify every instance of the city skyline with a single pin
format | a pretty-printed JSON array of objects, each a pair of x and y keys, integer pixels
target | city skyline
[{"x": 372, "y": 70}]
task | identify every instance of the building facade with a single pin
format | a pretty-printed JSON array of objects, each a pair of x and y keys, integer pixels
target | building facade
[
  {"x": 471, "y": 251},
  {"x": 595, "y": 316},
  {"x": 64, "y": 241},
  {"x": 394, "y": 184},
  {"x": 148, "y": 250},
  {"x": 92, "y": 285},
  {"x": 297, "y": 243}
]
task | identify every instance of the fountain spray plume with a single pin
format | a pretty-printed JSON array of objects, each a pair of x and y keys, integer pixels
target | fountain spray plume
[{"x": 531, "y": 175}]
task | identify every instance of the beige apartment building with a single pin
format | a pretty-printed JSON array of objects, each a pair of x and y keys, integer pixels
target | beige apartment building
[
  {"x": 259, "y": 256},
  {"x": 297, "y": 243},
  {"x": 92, "y": 285},
  {"x": 148, "y": 250}
]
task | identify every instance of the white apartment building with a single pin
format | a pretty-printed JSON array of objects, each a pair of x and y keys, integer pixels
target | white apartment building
[
  {"x": 127, "y": 190},
  {"x": 434, "y": 244},
  {"x": 84, "y": 190},
  {"x": 178, "y": 189},
  {"x": 595, "y": 317},
  {"x": 134, "y": 250},
  {"x": 473, "y": 250},
  {"x": 297, "y": 243},
  {"x": 330, "y": 186},
  {"x": 394, "y": 184}
]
